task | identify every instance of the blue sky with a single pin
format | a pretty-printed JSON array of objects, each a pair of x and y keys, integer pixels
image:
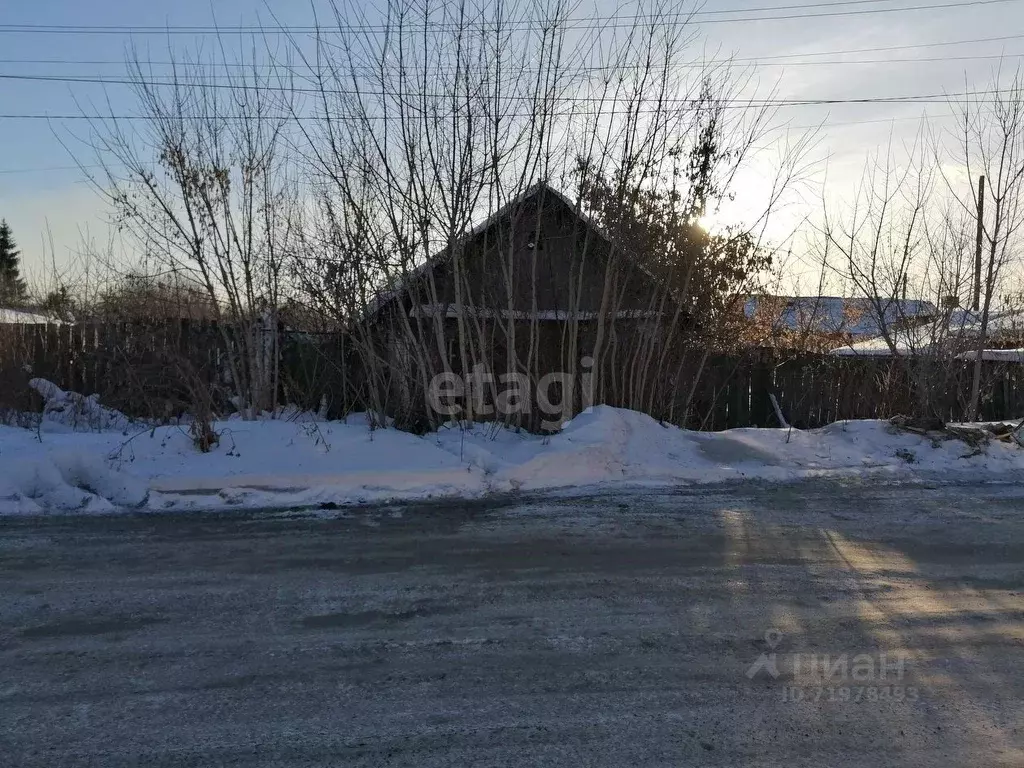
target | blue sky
[{"x": 35, "y": 198}]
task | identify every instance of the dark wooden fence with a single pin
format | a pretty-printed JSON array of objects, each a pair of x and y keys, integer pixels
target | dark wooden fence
[
  {"x": 146, "y": 368},
  {"x": 814, "y": 390},
  {"x": 143, "y": 368}
]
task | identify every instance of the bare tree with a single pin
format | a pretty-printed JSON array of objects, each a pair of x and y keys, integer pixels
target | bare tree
[
  {"x": 906, "y": 235},
  {"x": 442, "y": 116},
  {"x": 990, "y": 143},
  {"x": 876, "y": 244},
  {"x": 202, "y": 189},
  {"x": 423, "y": 122}
]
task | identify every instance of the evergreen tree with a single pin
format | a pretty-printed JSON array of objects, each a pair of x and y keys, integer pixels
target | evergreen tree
[
  {"x": 13, "y": 291},
  {"x": 59, "y": 304}
]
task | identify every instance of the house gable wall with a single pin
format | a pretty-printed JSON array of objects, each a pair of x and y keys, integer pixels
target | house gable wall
[{"x": 542, "y": 236}]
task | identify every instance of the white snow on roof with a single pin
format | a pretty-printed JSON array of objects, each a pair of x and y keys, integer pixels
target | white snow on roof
[
  {"x": 962, "y": 326},
  {"x": 21, "y": 317},
  {"x": 998, "y": 322},
  {"x": 998, "y": 355},
  {"x": 859, "y": 316},
  {"x": 906, "y": 341},
  {"x": 451, "y": 311}
]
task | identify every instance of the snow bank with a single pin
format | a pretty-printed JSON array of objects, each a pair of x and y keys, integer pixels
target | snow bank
[
  {"x": 614, "y": 445},
  {"x": 54, "y": 473},
  {"x": 305, "y": 463},
  {"x": 256, "y": 464},
  {"x": 78, "y": 412},
  {"x": 602, "y": 445}
]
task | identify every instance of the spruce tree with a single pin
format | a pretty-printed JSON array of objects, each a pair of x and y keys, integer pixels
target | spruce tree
[{"x": 13, "y": 291}]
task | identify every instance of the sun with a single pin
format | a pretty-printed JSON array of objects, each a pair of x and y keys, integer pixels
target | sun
[{"x": 709, "y": 222}]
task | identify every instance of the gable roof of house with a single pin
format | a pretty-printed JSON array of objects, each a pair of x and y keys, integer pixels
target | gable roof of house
[
  {"x": 387, "y": 295},
  {"x": 857, "y": 316}
]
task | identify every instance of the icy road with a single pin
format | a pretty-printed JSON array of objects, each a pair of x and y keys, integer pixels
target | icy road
[{"x": 801, "y": 625}]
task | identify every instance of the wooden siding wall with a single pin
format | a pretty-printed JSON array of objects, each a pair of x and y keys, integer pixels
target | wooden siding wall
[{"x": 567, "y": 260}]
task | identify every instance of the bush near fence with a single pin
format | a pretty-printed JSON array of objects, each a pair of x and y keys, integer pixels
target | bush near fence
[{"x": 148, "y": 370}]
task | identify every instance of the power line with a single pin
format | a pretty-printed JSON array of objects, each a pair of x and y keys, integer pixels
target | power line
[
  {"x": 893, "y": 47},
  {"x": 302, "y": 71},
  {"x": 834, "y": 52},
  {"x": 594, "y": 22},
  {"x": 772, "y": 57},
  {"x": 928, "y": 99},
  {"x": 49, "y": 169},
  {"x": 797, "y": 6},
  {"x": 752, "y": 59},
  {"x": 732, "y": 104},
  {"x": 846, "y": 123},
  {"x": 838, "y": 124}
]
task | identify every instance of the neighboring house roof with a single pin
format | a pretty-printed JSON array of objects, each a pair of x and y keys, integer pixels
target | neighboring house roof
[
  {"x": 447, "y": 310},
  {"x": 907, "y": 341},
  {"x": 962, "y": 326},
  {"x": 999, "y": 355},
  {"x": 832, "y": 314},
  {"x": 22, "y": 317},
  {"x": 998, "y": 322}
]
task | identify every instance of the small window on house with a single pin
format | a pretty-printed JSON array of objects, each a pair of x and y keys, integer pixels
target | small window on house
[{"x": 534, "y": 242}]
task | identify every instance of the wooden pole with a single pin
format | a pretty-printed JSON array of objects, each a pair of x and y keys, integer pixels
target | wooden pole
[{"x": 976, "y": 304}]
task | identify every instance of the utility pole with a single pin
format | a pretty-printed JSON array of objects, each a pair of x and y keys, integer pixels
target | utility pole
[{"x": 976, "y": 304}]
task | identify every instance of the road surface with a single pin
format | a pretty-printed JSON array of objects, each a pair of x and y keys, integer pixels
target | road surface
[{"x": 650, "y": 629}]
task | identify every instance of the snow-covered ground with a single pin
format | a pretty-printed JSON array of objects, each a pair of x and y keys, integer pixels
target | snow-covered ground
[{"x": 70, "y": 464}]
